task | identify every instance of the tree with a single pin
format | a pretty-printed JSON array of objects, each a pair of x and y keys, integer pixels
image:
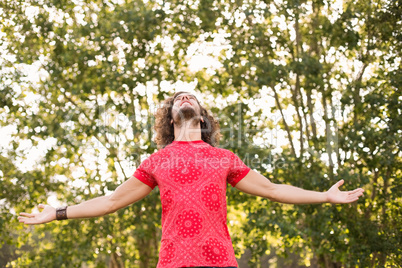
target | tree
[{"x": 305, "y": 91}]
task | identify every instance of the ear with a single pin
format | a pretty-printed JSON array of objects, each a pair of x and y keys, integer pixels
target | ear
[
  {"x": 202, "y": 119},
  {"x": 171, "y": 121}
]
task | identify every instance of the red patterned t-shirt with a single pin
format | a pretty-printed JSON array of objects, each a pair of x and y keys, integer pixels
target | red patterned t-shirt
[{"x": 192, "y": 178}]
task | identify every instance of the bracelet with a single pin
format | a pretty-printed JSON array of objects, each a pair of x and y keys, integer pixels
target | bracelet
[{"x": 61, "y": 213}]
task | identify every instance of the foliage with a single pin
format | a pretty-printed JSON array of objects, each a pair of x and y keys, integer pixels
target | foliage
[{"x": 80, "y": 80}]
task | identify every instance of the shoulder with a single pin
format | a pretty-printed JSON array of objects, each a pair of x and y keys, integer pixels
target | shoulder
[
  {"x": 153, "y": 158},
  {"x": 162, "y": 151},
  {"x": 224, "y": 152}
]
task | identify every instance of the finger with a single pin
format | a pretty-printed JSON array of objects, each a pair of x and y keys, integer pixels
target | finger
[
  {"x": 23, "y": 219},
  {"x": 353, "y": 192},
  {"x": 356, "y": 195},
  {"x": 353, "y": 197},
  {"x": 348, "y": 199},
  {"x": 339, "y": 183},
  {"x": 357, "y": 191},
  {"x": 28, "y": 215},
  {"x": 352, "y": 200},
  {"x": 28, "y": 221}
]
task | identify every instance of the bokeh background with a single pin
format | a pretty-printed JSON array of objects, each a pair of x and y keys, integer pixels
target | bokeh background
[{"x": 307, "y": 92}]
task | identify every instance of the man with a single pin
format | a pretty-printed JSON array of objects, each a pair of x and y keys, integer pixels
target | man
[{"x": 192, "y": 175}]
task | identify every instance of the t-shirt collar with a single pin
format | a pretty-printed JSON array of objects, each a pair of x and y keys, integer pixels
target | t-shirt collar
[{"x": 188, "y": 142}]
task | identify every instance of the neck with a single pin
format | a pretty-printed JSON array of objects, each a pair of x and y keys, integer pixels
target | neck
[{"x": 187, "y": 131}]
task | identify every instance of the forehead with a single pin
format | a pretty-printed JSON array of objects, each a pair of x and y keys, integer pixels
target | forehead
[{"x": 184, "y": 94}]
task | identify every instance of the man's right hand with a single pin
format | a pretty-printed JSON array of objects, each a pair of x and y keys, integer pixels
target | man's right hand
[{"x": 48, "y": 214}]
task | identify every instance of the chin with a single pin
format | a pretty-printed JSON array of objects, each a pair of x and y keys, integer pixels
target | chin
[
  {"x": 185, "y": 108},
  {"x": 186, "y": 113}
]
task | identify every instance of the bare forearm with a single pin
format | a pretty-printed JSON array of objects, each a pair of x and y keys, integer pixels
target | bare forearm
[
  {"x": 129, "y": 192},
  {"x": 256, "y": 184},
  {"x": 96, "y": 207},
  {"x": 92, "y": 208},
  {"x": 293, "y": 195}
]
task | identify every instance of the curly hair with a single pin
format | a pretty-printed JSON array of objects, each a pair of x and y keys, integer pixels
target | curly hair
[{"x": 210, "y": 131}]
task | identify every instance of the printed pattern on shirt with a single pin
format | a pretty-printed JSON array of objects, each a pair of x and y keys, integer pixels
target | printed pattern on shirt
[
  {"x": 167, "y": 201},
  {"x": 189, "y": 223},
  {"x": 211, "y": 195},
  {"x": 214, "y": 251},
  {"x": 192, "y": 179},
  {"x": 167, "y": 254}
]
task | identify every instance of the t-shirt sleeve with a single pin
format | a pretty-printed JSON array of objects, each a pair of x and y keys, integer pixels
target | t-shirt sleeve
[
  {"x": 237, "y": 170},
  {"x": 144, "y": 173}
]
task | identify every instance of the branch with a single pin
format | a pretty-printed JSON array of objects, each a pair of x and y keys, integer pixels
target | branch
[
  {"x": 284, "y": 121},
  {"x": 112, "y": 151}
]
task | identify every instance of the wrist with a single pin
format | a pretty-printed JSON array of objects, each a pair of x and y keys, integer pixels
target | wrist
[
  {"x": 326, "y": 198},
  {"x": 61, "y": 213}
]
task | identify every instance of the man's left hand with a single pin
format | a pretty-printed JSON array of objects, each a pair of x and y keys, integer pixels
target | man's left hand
[{"x": 337, "y": 196}]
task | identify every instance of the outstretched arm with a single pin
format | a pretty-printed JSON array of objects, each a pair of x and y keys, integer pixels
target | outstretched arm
[
  {"x": 256, "y": 184},
  {"x": 129, "y": 192}
]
